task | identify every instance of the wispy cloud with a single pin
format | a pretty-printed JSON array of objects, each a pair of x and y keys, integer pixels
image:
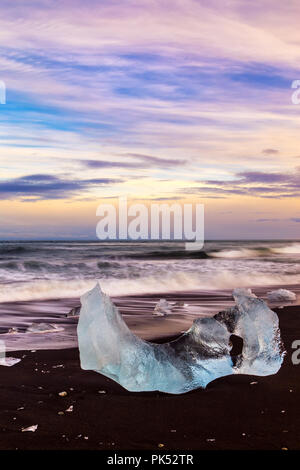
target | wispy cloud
[
  {"x": 270, "y": 151},
  {"x": 253, "y": 183},
  {"x": 140, "y": 162},
  {"x": 45, "y": 186}
]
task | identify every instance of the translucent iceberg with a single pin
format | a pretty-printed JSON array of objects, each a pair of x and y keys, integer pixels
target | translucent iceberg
[
  {"x": 199, "y": 356},
  {"x": 281, "y": 295}
]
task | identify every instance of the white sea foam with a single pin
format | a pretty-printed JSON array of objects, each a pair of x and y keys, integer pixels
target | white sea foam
[
  {"x": 241, "y": 253},
  {"x": 258, "y": 251},
  {"x": 294, "y": 248},
  {"x": 174, "y": 281}
]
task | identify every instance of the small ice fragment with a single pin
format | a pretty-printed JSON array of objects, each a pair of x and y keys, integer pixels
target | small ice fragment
[
  {"x": 210, "y": 440},
  {"x": 281, "y": 295},
  {"x": 32, "y": 428},
  {"x": 13, "y": 330},
  {"x": 180, "y": 303},
  {"x": 63, "y": 394},
  {"x": 162, "y": 308},
  {"x": 70, "y": 409},
  {"x": 74, "y": 312},
  {"x": 101, "y": 391},
  {"x": 9, "y": 361},
  {"x": 43, "y": 328},
  {"x": 253, "y": 383}
]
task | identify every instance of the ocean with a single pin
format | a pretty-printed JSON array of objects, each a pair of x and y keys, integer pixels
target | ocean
[{"x": 41, "y": 281}]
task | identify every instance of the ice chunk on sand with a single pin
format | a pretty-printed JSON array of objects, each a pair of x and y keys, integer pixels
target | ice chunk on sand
[
  {"x": 32, "y": 428},
  {"x": 281, "y": 295},
  {"x": 9, "y": 361},
  {"x": 199, "y": 356},
  {"x": 162, "y": 308},
  {"x": 13, "y": 330},
  {"x": 43, "y": 328},
  {"x": 74, "y": 312}
]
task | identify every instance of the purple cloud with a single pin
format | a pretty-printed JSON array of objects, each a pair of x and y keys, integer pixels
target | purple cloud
[
  {"x": 44, "y": 186},
  {"x": 267, "y": 220},
  {"x": 275, "y": 185},
  {"x": 141, "y": 161},
  {"x": 262, "y": 177},
  {"x": 270, "y": 151}
]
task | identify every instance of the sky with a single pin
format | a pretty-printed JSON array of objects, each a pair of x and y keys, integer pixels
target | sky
[{"x": 158, "y": 100}]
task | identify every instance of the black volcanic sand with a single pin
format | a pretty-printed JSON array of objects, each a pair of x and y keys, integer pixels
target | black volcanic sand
[{"x": 231, "y": 413}]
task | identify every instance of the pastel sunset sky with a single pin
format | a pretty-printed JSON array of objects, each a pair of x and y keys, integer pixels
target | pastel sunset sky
[{"x": 165, "y": 100}]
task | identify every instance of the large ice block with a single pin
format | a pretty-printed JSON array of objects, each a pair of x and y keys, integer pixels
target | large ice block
[{"x": 197, "y": 357}]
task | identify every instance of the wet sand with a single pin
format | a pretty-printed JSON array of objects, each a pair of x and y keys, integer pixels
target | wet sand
[
  {"x": 137, "y": 311},
  {"x": 231, "y": 413}
]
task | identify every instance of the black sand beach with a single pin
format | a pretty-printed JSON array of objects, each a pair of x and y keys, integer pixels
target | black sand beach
[{"x": 236, "y": 412}]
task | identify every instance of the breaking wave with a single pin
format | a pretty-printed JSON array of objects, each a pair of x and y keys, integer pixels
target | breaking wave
[
  {"x": 53, "y": 270},
  {"x": 255, "y": 252},
  {"x": 288, "y": 249},
  {"x": 174, "y": 282}
]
